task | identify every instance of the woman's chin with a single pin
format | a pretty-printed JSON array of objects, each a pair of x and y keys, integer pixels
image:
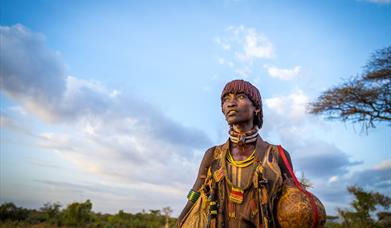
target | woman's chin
[{"x": 233, "y": 120}]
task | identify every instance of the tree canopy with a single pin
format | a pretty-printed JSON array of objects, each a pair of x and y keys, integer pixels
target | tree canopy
[
  {"x": 364, "y": 205},
  {"x": 80, "y": 214},
  {"x": 368, "y": 209},
  {"x": 365, "y": 98}
]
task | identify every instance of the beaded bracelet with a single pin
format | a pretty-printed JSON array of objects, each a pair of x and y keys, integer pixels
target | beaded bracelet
[{"x": 193, "y": 196}]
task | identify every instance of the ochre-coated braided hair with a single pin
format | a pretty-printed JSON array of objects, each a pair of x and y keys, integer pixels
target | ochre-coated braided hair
[{"x": 241, "y": 86}]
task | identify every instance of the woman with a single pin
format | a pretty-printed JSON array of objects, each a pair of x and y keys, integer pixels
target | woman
[{"x": 243, "y": 178}]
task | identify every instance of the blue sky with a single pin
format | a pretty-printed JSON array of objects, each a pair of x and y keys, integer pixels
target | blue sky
[{"x": 118, "y": 102}]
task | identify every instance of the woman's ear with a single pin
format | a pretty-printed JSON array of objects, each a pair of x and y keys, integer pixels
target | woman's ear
[{"x": 257, "y": 111}]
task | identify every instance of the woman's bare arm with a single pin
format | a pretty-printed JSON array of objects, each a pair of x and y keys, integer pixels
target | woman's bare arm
[{"x": 202, "y": 172}]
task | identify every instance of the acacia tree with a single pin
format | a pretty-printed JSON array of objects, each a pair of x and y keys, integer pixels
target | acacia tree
[
  {"x": 365, "y": 98},
  {"x": 167, "y": 212},
  {"x": 365, "y": 204}
]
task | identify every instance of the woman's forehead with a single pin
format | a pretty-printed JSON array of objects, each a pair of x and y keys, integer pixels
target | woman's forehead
[{"x": 232, "y": 94}]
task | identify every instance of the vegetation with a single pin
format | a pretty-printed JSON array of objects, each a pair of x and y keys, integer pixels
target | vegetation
[
  {"x": 365, "y": 98},
  {"x": 369, "y": 209},
  {"x": 80, "y": 215},
  {"x": 305, "y": 183},
  {"x": 365, "y": 211},
  {"x": 366, "y": 206}
]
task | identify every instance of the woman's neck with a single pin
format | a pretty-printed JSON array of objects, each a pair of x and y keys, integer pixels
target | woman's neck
[
  {"x": 241, "y": 152},
  {"x": 243, "y": 127}
]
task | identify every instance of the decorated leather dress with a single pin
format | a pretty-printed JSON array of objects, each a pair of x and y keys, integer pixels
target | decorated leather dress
[
  {"x": 246, "y": 195},
  {"x": 258, "y": 194}
]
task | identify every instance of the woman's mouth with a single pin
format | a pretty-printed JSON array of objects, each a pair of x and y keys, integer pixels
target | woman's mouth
[{"x": 231, "y": 112}]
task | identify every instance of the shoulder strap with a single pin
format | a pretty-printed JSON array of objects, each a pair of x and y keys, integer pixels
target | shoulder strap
[{"x": 298, "y": 185}]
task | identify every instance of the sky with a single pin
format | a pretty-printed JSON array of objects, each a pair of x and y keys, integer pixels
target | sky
[{"x": 117, "y": 102}]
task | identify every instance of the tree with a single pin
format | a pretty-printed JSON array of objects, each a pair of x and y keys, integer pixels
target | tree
[
  {"x": 364, "y": 205},
  {"x": 51, "y": 211},
  {"x": 78, "y": 213},
  {"x": 9, "y": 211},
  {"x": 167, "y": 212},
  {"x": 365, "y": 98},
  {"x": 332, "y": 222}
]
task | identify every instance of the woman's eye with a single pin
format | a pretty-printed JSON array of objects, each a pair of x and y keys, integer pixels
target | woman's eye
[{"x": 241, "y": 96}]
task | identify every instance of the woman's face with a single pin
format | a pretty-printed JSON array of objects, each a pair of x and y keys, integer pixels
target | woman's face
[{"x": 238, "y": 108}]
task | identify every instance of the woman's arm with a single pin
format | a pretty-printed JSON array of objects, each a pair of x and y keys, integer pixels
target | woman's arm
[{"x": 202, "y": 172}]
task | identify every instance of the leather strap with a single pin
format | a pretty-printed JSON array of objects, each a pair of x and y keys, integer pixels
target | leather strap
[{"x": 297, "y": 183}]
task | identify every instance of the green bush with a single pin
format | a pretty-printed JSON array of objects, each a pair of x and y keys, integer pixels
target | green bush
[{"x": 77, "y": 214}]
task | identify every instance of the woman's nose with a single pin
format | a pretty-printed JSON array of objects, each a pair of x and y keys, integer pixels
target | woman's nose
[{"x": 231, "y": 102}]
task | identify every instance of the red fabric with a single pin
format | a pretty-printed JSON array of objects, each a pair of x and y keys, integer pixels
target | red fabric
[{"x": 297, "y": 183}]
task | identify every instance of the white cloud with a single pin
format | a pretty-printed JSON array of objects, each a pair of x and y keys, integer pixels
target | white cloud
[
  {"x": 245, "y": 49},
  {"x": 223, "y": 44},
  {"x": 247, "y": 44},
  {"x": 8, "y": 122},
  {"x": 332, "y": 179},
  {"x": 223, "y": 61},
  {"x": 243, "y": 72},
  {"x": 286, "y": 117},
  {"x": 18, "y": 109},
  {"x": 384, "y": 165},
  {"x": 23, "y": 55},
  {"x": 284, "y": 74},
  {"x": 256, "y": 46},
  {"x": 369, "y": 179},
  {"x": 242, "y": 47},
  {"x": 119, "y": 158},
  {"x": 324, "y": 163},
  {"x": 107, "y": 135},
  {"x": 293, "y": 106},
  {"x": 55, "y": 97},
  {"x": 5, "y": 121}
]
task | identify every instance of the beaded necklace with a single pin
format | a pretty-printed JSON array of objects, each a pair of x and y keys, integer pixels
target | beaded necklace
[
  {"x": 235, "y": 192},
  {"x": 241, "y": 164},
  {"x": 243, "y": 138}
]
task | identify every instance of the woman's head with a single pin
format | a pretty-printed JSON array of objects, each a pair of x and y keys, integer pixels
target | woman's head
[{"x": 233, "y": 90}]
